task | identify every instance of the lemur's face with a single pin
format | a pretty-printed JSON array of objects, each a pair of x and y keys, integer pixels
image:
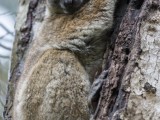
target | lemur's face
[{"x": 66, "y": 6}]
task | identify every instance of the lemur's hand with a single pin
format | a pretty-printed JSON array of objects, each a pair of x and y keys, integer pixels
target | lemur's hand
[{"x": 94, "y": 94}]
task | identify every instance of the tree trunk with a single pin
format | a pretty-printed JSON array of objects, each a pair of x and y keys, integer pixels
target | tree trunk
[
  {"x": 29, "y": 18},
  {"x": 131, "y": 89}
]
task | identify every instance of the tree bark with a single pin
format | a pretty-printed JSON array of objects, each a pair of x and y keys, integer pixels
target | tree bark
[
  {"x": 29, "y": 18},
  {"x": 131, "y": 89}
]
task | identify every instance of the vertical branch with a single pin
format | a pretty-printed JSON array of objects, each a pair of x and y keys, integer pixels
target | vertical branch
[
  {"x": 24, "y": 36},
  {"x": 115, "y": 90}
]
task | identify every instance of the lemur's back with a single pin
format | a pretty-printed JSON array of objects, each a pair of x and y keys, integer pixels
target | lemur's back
[{"x": 61, "y": 63}]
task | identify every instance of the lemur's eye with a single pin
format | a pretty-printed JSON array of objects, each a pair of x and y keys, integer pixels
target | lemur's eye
[{"x": 72, "y": 5}]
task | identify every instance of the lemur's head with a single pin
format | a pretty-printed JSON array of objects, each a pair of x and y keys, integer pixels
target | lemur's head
[{"x": 65, "y": 6}]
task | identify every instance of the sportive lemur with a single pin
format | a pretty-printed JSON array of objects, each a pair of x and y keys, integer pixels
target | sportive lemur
[{"x": 62, "y": 60}]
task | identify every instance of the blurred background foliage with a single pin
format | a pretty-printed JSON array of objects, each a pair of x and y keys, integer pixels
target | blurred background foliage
[{"x": 8, "y": 10}]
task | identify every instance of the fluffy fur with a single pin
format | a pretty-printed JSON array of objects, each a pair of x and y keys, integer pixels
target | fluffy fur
[{"x": 61, "y": 63}]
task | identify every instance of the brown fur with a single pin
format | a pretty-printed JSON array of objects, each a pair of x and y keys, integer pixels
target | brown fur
[{"x": 62, "y": 62}]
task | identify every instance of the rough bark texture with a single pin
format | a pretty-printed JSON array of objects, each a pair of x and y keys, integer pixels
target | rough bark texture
[
  {"x": 144, "y": 99},
  {"x": 29, "y": 18},
  {"x": 131, "y": 90}
]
